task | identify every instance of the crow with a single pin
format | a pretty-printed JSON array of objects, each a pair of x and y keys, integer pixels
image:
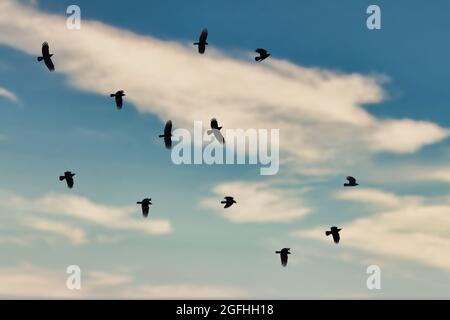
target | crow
[
  {"x": 167, "y": 134},
  {"x": 284, "y": 256},
  {"x": 216, "y": 130},
  {"x": 334, "y": 231},
  {"x": 145, "y": 205},
  {"x": 263, "y": 54},
  {"x": 351, "y": 182},
  {"x": 68, "y": 176},
  {"x": 46, "y": 56},
  {"x": 202, "y": 41},
  {"x": 228, "y": 201},
  {"x": 119, "y": 102}
]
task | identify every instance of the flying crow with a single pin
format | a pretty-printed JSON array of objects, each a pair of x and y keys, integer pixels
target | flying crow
[
  {"x": 334, "y": 231},
  {"x": 351, "y": 182},
  {"x": 145, "y": 205},
  {"x": 68, "y": 176},
  {"x": 46, "y": 56},
  {"x": 228, "y": 201},
  {"x": 284, "y": 256},
  {"x": 263, "y": 54},
  {"x": 119, "y": 101},
  {"x": 216, "y": 130},
  {"x": 202, "y": 41},
  {"x": 167, "y": 134}
]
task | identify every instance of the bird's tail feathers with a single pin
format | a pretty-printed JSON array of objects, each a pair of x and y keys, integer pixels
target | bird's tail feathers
[
  {"x": 327, "y": 233},
  {"x": 161, "y": 136},
  {"x": 40, "y": 58},
  {"x": 196, "y": 43},
  {"x": 277, "y": 251},
  {"x": 61, "y": 178},
  {"x": 112, "y": 95},
  {"x": 223, "y": 202},
  {"x": 206, "y": 43}
]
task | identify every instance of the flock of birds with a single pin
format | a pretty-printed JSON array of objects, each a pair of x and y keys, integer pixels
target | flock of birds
[{"x": 167, "y": 135}]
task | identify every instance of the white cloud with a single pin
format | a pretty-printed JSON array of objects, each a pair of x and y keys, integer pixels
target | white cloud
[
  {"x": 65, "y": 230},
  {"x": 183, "y": 291},
  {"x": 319, "y": 112},
  {"x": 406, "y": 136},
  {"x": 29, "y": 281},
  {"x": 409, "y": 230},
  {"x": 377, "y": 197},
  {"x": 8, "y": 95},
  {"x": 81, "y": 208},
  {"x": 257, "y": 203}
]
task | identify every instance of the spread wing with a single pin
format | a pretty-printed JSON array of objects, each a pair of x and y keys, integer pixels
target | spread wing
[
  {"x": 261, "y": 51},
  {"x": 45, "y": 49},
  {"x": 168, "y": 141},
  {"x": 219, "y": 136},
  {"x": 119, "y": 101},
  {"x": 168, "y": 128},
  {"x": 351, "y": 179},
  {"x": 228, "y": 204},
  {"x": 69, "y": 182},
  {"x": 284, "y": 259},
  {"x": 203, "y": 36},
  {"x": 336, "y": 237},
  {"x": 228, "y": 198},
  {"x": 145, "y": 209},
  {"x": 49, "y": 64}
]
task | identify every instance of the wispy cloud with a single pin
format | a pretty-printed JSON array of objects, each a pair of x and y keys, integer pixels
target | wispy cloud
[
  {"x": 8, "y": 95},
  {"x": 65, "y": 230},
  {"x": 319, "y": 112},
  {"x": 257, "y": 203},
  {"x": 79, "y": 209},
  {"x": 29, "y": 281},
  {"x": 409, "y": 230}
]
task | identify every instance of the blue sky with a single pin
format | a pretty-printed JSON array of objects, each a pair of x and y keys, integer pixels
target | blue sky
[{"x": 368, "y": 103}]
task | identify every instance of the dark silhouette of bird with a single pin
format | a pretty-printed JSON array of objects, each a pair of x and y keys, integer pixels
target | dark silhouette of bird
[
  {"x": 351, "y": 182},
  {"x": 202, "y": 41},
  {"x": 46, "y": 56},
  {"x": 68, "y": 176},
  {"x": 167, "y": 134},
  {"x": 119, "y": 101},
  {"x": 263, "y": 54},
  {"x": 284, "y": 256},
  {"x": 228, "y": 201},
  {"x": 334, "y": 231},
  {"x": 216, "y": 130},
  {"x": 145, "y": 205}
]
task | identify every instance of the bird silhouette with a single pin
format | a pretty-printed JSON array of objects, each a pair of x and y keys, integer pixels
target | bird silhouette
[
  {"x": 145, "y": 205},
  {"x": 202, "y": 41},
  {"x": 284, "y": 256},
  {"x": 351, "y": 182},
  {"x": 215, "y": 129},
  {"x": 68, "y": 176},
  {"x": 46, "y": 56},
  {"x": 167, "y": 134},
  {"x": 334, "y": 231},
  {"x": 119, "y": 101},
  {"x": 263, "y": 54},
  {"x": 228, "y": 201}
]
